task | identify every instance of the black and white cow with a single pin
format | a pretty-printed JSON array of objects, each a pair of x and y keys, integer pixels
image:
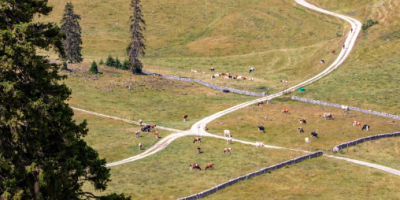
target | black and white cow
[
  {"x": 314, "y": 134},
  {"x": 251, "y": 70},
  {"x": 300, "y": 130},
  {"x": 366, "y": 127},
  {"x": 146, "y": 128},
  {"x": 261, "y": 128}
]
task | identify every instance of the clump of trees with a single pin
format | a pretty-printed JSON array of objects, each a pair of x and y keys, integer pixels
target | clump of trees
[
  {"x": 368, "y": 24},
  {"x": 42, "y": 151},
  {"x": 111, "y": 62}
]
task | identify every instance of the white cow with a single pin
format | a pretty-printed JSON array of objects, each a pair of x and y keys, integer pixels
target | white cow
[
  {"x": 216, "y": 75},
  {"x": 228, "y": 150},
  {"x": 137, "y": 133},
  {"x": 140, "y": 146},
  {"x": 251, "y": 79},
  {"x": 229, "y": 141},
  {"x": 345, "y": 108},
  {"x": 307, "y": 140},
  {"x": 227, "y": 133}
]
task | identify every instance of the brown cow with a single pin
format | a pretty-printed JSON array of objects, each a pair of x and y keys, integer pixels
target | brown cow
[
  {"x": 140, "y": 146},
  {"x": 198, "y": 149},
  {"x": 198, "y": 139},
  {"x": 226, "y": 150},
  {"x": 153, "y": 126},
  {"x": 209, "y": 165},
  {"x": 333, "y": 51},
  {"x": 302, "y": 121},
  {"x": 356, "y": 123},
  {"x": 260, "y": 102},
  {"x": 156, "y": 134},
  {"x": 243, "y": 78},
  {"x": 212, "y": 69},
  {"x": 285, "y": 110},
  {"x": 195, "y": 166},
  {"x": 140, "y": 122},
  {"x": 184, "y": 117},
  {"x": 137, "y": 133}
]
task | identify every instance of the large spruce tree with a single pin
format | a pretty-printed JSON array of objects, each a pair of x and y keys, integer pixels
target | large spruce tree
[
  {"x": 137, "y": 46},
  {"x": 70, "y": 26},
  {"x": 42, "y": 153}
]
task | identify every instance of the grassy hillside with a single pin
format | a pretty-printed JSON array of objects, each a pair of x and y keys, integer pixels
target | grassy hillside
[
  {"x": 279, "y": 38},
  {"x": 321, "y": 178},
  {"x": 166, "y": 175},
  {"x": 281, "y": 129},
  {"x": 369, "y": 78}
]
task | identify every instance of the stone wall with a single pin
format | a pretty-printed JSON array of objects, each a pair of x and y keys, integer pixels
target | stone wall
[
  {"x": 215, "y": 87},
  {"x": 364, "y": 139},
  {"x": 350, "y": 108},
  {"x": 256, "y": 173}
]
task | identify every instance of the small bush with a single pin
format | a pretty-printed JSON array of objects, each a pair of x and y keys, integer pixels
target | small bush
[
  {"x": 125, "y": 65},
  {"x": 341, "y": 151},
  {"x": 117, "y": 63},
  {"x": 368, "y": 24},
  {"x": 110, "y": 61},
  {"x": 94, "y": 68},
  {"x": 101, "y": 62}
]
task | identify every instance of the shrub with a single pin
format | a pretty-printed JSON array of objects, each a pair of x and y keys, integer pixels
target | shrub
[
  {"x": 94, "y": 68},
  {"x": 110, "y": 61},
  {"x": 117, "y": 63},
  {"x": 125, "y": 65},
  {"x": 101, "y": 62},
  {"x": 368, "y": 24}
]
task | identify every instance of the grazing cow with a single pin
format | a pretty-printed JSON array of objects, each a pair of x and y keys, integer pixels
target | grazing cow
[
  {"x": 328, "y": 116},
  {"x": 345, "y": 108},
  {"x": 212, "y": 77},
  {"x": 226, "y": 76},
  {"x": 314, "y": 134},
  {"x": 227, "y": 133},
  {"x": 259, "y": 144},
  {"x": 216, "y": 75},
  {"x": 322, "y": 61},
  {"x": 303, "y": 121},
  {"x": 153, "y": 126},
  {"x": 336, "y": 149},
  {"x": 198, "y": 150},
  {"x": 192, "y": 70},
  {"x": 283, "y": 81},
  {"x": 366, "y": 127},
  {"x": 229, "y": 141},
  {"x": 212, "y": 69},
  {"x": 251, "y": 79},
  {"x": 197, "y": 139},
  {"x": 137, "y": 133},
  {"x": 140, "y": 146},
  {"x": 194, "y": 166},
  {"x": 156, "y": 134},
  {"x": 140, "y": 122},
  {"x": 228, "y": 150},
  {"x": 260, "y": 102},
  {"x": 285, "y": 110},
  {"x": 251, "y": 70},
  {"x": 209, "y": 165},
  {"x": 146, "y": 128},
  {"x": 307, "y": 140},
  {"x": 333, "y": 51},
  {"x": 185, "y": 117},
  {"x": 268, "y": 100},
  {"x": 261, "y": 128},
  {"x": 356, "y": 123},
  {"x": 243, "y": 78},
  {"x": 238, "y": 77},
  {"x": 300, "y": 130}
]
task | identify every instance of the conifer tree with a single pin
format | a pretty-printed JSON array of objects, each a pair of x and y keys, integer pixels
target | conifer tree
[
  {"x": 110, "y": 61},
  {"x": 42, "y": 151},
  {"x": 137, "y": 46},
  {"x": 94, "y": 68},
  {"x": 125, "y": 65},
  {"x": 71, "y": 28},
  {"x": 117, "y": 63},
  {"x": 101, "y": 62}
]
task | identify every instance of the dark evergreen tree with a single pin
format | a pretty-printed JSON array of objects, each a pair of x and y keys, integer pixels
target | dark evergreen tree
[
  {"x": 118, "y": 64},
  {"x": 125, "y": 65},
  {"x": 101, "y": 62},
  {"x": 137, "y": 46},
  {"x": 71, "y": 28},
  {"x": 42, "y": 151},
  {"x": 94, "y": 68},
  {"x": 110, "y": 61}
]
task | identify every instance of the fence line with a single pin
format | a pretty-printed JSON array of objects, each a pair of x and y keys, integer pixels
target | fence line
[
  {"x": 349, "y": 107},
  {"x": 250, "y": 175},
  {"x": 364, "y": 139},
  {"x": 215, "y": 87}
]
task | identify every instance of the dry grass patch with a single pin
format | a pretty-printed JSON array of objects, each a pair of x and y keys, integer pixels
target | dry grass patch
[
  {"x": 320, "y": 178},
  {"x": 281, "y": 129},
  {"x": 115, "y": 140},
  {"x": 166, "y": 175}
]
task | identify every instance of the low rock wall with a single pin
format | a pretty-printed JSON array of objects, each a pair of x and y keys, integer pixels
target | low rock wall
[
  {"x": 364, "y": 139},
  {"x": 215, "y": 87},
  {"x": 250, "y": 175}
]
